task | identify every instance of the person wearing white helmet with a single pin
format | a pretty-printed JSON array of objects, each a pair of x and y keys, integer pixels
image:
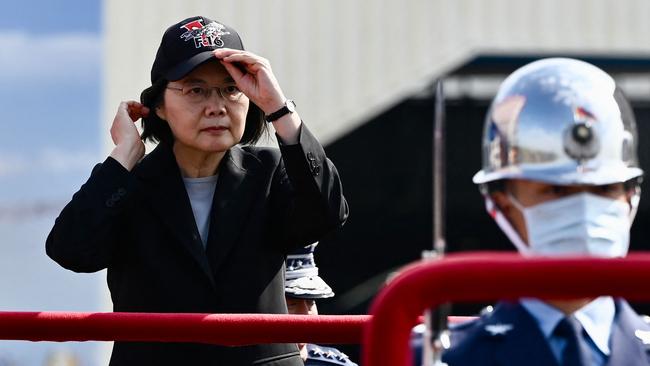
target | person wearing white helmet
[
  {"x": 302, "y": 287},
  {"x": 560, "y": 177}
]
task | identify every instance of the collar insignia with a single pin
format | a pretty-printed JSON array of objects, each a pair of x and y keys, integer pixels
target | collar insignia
[
  {"x": 643, "y": 335},
  {"x": 498, "y": 329}
]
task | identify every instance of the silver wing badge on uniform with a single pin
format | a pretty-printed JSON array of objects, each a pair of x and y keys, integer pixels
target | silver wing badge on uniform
[{"x": 498, "y": 329}]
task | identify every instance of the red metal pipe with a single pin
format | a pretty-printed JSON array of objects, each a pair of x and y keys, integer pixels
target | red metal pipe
[
  {"x": 487, "y": 277},
  {"x": 224, "y": 329}
]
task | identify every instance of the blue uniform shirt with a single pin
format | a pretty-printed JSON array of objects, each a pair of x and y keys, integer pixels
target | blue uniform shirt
[
  {"x": 596, "y": 318},
  {"x": 511, "y": 335}
]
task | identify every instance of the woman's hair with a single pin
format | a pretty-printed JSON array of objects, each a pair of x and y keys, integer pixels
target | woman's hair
[{"x": 156, "y": 129}]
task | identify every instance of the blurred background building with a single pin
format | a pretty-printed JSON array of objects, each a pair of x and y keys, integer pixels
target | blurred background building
[{"x": 362, "y": 73}]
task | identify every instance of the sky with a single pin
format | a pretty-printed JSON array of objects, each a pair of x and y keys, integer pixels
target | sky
[
  {"x": 50, "y": 138},
  {"x": 50, "y": 75}
]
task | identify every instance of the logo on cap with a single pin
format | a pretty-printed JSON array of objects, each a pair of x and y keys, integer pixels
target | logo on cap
[{"x": 204, "y": 36}]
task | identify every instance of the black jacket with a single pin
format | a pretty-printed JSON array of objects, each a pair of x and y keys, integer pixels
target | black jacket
[{"x": 141, "y": 227}]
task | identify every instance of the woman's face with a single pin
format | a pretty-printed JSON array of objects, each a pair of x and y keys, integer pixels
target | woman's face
[{"x": 212, "y": 124}]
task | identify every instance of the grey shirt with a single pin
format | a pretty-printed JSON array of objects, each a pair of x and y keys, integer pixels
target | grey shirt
[{"x": 201, "y": 192}]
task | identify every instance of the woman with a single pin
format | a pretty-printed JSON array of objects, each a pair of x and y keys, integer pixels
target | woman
[{"x": 202, "y": 223}]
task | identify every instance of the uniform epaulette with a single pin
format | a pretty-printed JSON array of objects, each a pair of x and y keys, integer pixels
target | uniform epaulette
[{"x": 319, "y": 355}]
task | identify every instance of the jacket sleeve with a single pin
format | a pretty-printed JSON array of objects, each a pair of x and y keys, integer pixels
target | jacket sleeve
[
  {"x": 311, "y": 193},
  {"x": 89, "y": 227}
]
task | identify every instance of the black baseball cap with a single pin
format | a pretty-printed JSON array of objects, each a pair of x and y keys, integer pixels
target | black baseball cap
[{"x": 189, "y": 43}]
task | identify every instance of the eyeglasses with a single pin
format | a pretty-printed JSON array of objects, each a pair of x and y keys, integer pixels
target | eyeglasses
[{"x": 201, "y": 93}]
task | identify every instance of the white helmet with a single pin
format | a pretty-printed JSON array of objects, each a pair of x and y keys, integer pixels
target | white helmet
[{"x": 560, "y": 121}]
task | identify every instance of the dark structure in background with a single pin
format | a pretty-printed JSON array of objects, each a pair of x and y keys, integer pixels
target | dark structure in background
[{"x": 386, "y": 167}]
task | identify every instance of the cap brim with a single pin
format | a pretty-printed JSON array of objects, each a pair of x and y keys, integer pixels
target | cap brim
[
  {"x": 179, "y": 71},
  {"x": 564, "y": 175},
  {"x": 312, "y": 287}
]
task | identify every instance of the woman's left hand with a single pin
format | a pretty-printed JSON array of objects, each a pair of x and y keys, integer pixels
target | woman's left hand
[{"x": 254, "y": 78}]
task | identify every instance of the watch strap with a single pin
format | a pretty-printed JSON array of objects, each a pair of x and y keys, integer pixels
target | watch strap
[{"x": 286, "y": 109}]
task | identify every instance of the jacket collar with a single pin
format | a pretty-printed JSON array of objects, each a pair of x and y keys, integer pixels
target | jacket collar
[
  {"x": 523, "y": 339},
  {"x": 237, "y": 188},
  {"x": 627, "y": 344},
  {"x": 168, "y": 197}
]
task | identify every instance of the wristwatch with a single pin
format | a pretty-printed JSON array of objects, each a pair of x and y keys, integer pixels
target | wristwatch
[{"x": 289, "y": 107}]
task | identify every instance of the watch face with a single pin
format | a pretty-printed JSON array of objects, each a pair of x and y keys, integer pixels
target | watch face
[{"x": 291, "y": 105}]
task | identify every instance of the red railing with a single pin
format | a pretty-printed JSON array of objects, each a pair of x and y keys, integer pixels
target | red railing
[
  {"x": 224, "y": 329},
  {"x": 458, "y": 277},
  {"x": 486, "y": 277}
]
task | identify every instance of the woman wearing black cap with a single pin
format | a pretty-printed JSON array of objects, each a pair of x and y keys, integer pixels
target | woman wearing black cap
[{"x": 202, "y": 223}]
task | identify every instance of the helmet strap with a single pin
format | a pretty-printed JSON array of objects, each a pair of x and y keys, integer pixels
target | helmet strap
[
  {"x": 634, "y": 204},
  {"x": 506, "y": 227}
]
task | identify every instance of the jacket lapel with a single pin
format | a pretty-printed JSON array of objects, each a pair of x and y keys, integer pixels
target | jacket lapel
[
  {"x": 168, "y": 197},
  {"x": 627, "y": 347},
  {"x": 522, "y": 341},
  {"x": 236, "y": 189}
]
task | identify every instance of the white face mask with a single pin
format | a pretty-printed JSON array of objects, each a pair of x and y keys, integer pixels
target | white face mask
[{"x": 580, "y": 224}]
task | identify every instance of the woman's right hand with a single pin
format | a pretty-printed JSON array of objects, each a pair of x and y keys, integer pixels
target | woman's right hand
[{"x": 129, "y": 148}]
